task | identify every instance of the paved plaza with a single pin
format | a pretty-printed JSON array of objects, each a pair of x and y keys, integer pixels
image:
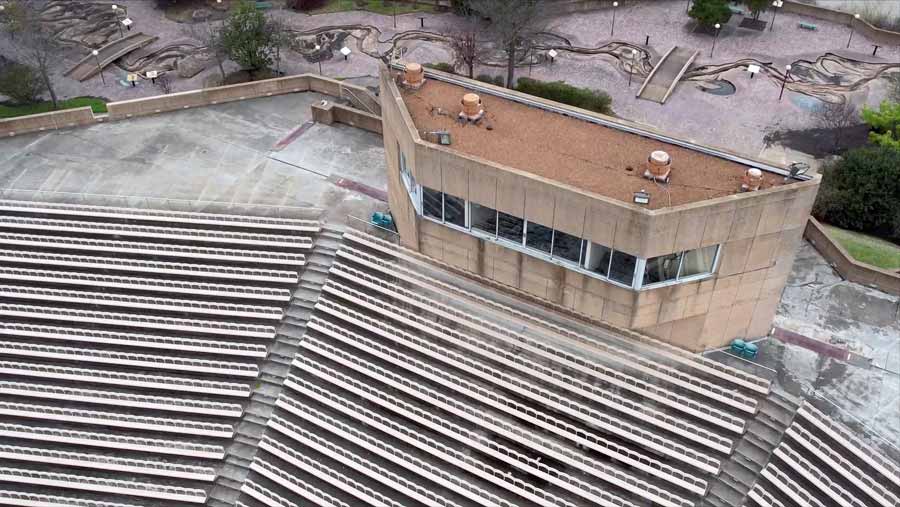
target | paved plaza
[{"x": 217, "y": 154}]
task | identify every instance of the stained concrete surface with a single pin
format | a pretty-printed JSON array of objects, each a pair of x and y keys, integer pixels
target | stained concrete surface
[
  {"x": 216, "y": 154},
  {"x": 820, "y": 304}
]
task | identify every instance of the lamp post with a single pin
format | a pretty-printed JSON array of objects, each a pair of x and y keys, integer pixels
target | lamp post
[
  {"x": 713, "y": 48},
  {"x": 688, "y": 8},
  {"x": 346, "y": 52},
  {"x": 787, "y": 73},
  {"x": 394, "y": 3},
  {"x": 115, "y": 9},
  {"x": 99, "y": 68},
  {"x": 855, "y": 16},
  {"x": 775, "y": 6},
  {"x": 318, "y": 47},
  {"x": 552, "y": 54},
  {"x": 612, "y": 27},
  {"x": 631, "y": 70}
]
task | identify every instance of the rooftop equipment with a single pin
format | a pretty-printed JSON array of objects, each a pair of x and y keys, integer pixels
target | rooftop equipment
[
  {"x": 414, "y": 76},
  {"x": 752, "y": 180},
  {"x": 473, "y": 109},
  {"x": 659, "y": 166}
]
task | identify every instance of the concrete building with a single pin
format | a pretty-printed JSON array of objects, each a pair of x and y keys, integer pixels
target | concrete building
[{"x": 550, "y": 199}]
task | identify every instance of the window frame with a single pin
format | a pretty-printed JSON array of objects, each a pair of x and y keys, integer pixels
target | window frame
[{"x": 678, "y": 278}]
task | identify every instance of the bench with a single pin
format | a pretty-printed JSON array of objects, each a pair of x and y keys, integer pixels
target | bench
[
  {"x": 264, "y": 5},
  {"x": 735, "y": 10},
  {"x": 808, "y": 26}
]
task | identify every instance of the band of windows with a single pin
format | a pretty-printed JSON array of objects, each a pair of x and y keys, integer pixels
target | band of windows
[{"x": 545, "y": 242}]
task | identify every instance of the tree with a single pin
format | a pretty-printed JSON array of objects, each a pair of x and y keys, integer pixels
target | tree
[
  {"x": 757, "y": 6},
  {"x": 246, "y": 38},
  {"x": 21, "y": 83},
  {"x": 709, "y": 12},
  {"x": 885, "y": 124},
  {"x": 464, "y": 44},
  {"x": 210, "y": 35},
  {"x": 14, "y": 17},
  {"x": 836, "y": 118},
  {"x": 513, "y": 22},
  {"x": 37, "y": 49},
  {"x": 861, "y": 191}
]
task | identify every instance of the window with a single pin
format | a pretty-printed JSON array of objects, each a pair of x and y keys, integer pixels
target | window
[
  {"x": 662, "y": 268},
  {"x": 433, "y": 203},
  {"x": 566, "y": 246},
  {"x": 454, "y": 210},
  {"x": 699, "y": 262},
  {"x": 483, "y": 218},
  {"x": 681, "y": 265},
  {"x": 409, "y": 181},
  {"x": 598, "y": 259},
  {"x": 510, "y": 227},
  {"x": 621, "y": 267},
  {"x": 539, "y": 237}
]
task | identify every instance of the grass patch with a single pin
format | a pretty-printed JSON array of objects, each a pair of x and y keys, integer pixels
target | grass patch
[
  {"x": 97, "y": 104},
  {"x": 559, "y": 91},
  {"x": 869, "y": 249},
  {"x": 376, "y": 6}
]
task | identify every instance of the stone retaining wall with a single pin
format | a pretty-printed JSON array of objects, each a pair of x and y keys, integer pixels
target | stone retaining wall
[
  {"x": 365, "y": 105},
  {"x": 885, "y": 37},
  {"x": 847, "y": 266}
]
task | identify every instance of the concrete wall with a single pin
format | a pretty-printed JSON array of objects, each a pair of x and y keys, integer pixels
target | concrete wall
[
  {"x": 47, "y": 121},
  {"x": 847, "y": 266},
  {"x": 331, "y": 113},
  {"x": 759, "y": 233},
  {"x": 885, "y": 37}
]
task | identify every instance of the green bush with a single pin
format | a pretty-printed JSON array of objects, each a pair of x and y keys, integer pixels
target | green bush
[
  {"x": 592, "y": 100},
  {"x": 710, "y": 12},
  {"x": 885, "y": 124},
  {"x": 489, "y": 79},
  {"x": 21, "y": 83},
  {"x": 441, "y": 66},
  {"x": 861, "y": 192}
]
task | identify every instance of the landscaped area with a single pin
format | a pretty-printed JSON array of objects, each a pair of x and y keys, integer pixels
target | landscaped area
[
  {"x": 868, "y": 249},
  {"x": 98, "y": 105},
  {"x": 376, "y": 6}
]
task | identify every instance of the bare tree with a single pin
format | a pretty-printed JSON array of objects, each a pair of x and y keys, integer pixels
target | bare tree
[
  {"x": 279, "y": 31},
  {"x": 836, "y": 118},
  {"x": 211, "y": 37},
  {"x": 37, "y": 48},
  {"x": 513, "y": 22},
  {"x": 464, "y": 44}
]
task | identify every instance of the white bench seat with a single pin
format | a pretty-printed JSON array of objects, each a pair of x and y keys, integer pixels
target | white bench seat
[
  {"x": 147, "y": 231},
  {"x": 24, "y": 499},
  {"x": 100, "y": 485},
  {"x": 156, "y": 362},
  {"x": 106, "y": 463},
  {"x": 11, "y": 292},
  {"x": 137, "y": 320},
  {"x": 112, "y": 441},
  {"x": 117, "y": 378},
  {"x": 150, "y": 266},
  {"x": 271, "y": 499},
  {"x": 120, "y": 399},
  {"x": 158, "y": 342},
  {"x": 117, "y": 420},
  {"x": 144, "y": 284},
  {"x": 165, "y": 216}
]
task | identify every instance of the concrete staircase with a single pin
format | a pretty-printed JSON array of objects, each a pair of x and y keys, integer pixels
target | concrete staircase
[
  {"x": 239, "y": 455},
  {"x": 753, "y": 451}
]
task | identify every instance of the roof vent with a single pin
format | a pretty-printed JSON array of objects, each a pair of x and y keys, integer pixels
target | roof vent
[
  {"x": 752, "y": 180},
  {"x": 414, "y": 76},
  {"x": 659, "y": 166},
  {"x": 472, "y": 110}
]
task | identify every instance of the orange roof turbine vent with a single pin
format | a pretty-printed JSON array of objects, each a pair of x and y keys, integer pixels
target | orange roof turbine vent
[
  {"x": 414, "y": 76},
  {"x": 752, "y": 180},
  {"x": 659, "y": 166},
  {"x": 472, "y": 110}
]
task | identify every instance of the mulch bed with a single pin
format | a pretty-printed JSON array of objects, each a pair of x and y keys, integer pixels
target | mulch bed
[{"x": 753, "y": 24}]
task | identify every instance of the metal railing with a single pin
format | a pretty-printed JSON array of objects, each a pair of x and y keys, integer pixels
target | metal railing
[
  {"x": 25, "y": 498},
  {"x": 272, "y": 499},
  {"x": 107, "y": 486}
]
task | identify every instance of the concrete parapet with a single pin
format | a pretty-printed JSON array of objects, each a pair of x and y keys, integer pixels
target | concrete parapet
[
  {"x": 848, "y": 267},
  {"x": 47, "y": 121}
]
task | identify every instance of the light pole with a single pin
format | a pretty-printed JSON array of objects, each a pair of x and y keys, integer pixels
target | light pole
[
  {"x": 394, "y": 3},
  {"x": 631, "y": 70},
  {"x": 115, "y": 9},
  {"x": 787, "y": 73},
  {"x": 713, "y": 48},
  {"x": 552, "y": 54},
  {"x": 855, "y": 16},
  {"x": 346, "y": 52},
  {"x": 99, "y": 68},
  {"x": 612, "y": 27},
  {"x": 775, "y": 5},
  {"x": 688, "y": 8},
  {"x": 319, "y": 58}
]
